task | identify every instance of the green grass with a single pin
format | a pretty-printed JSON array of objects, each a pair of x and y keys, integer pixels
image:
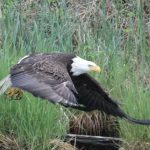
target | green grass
[
  {"x": 122, "y": 53},
  {"x": 31, "y": 121}
]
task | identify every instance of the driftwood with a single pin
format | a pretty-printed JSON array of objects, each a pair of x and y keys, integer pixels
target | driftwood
[{"x": 94, "y": 140}]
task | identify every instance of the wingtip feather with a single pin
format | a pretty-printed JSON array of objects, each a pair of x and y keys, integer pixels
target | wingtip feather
[{"x": 5, "y": 84}]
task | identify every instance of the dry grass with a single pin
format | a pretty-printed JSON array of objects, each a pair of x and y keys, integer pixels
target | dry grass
[
  {"x": 85, "y": 10},
  {"x": 94, "y": 123},
  {"x": 136, "y": 145},
  {"x": 8, "y": 143},
  {"x": 60, "y": 145}
]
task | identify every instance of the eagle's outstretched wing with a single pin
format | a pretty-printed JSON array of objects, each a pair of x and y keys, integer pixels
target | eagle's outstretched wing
[{"x": 45, "y": 79}]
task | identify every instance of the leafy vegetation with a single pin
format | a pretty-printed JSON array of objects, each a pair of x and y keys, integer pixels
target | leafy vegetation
[{"x": 114, "y": 34}]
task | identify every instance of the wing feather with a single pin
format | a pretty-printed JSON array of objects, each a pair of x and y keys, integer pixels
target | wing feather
[
  {"x": 93, "y": 96},
  {"x": 48, "y": 85}
]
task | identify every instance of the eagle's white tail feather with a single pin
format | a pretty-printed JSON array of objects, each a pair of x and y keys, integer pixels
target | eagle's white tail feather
[{"x": 5, "y": 84}]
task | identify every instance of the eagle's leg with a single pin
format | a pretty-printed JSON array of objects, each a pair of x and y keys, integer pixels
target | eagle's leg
[{"x": 14, "y": 93}]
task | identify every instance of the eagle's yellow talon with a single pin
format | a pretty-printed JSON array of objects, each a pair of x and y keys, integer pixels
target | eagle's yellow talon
[{"x": 14, "y": 93}]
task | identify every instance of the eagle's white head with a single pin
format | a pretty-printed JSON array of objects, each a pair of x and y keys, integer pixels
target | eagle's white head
[{"x": 81, "y": 66}]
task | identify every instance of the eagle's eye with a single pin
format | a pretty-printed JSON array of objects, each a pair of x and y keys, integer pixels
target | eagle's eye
[{"x": 90, "y": 65}]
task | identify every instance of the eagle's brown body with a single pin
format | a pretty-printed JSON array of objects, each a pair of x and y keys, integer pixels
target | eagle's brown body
[{"x": 60, "y": 79}]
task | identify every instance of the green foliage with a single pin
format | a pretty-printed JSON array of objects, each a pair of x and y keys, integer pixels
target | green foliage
[
  {"x": 34, "y": 123},
  {"x": 118, "y": 42}
]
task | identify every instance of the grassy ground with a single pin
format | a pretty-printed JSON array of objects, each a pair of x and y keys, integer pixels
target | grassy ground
[{"x": 113, "y": 34}]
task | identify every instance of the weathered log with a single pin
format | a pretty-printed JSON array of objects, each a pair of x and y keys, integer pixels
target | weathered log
[{"x": 94, "y": 140}]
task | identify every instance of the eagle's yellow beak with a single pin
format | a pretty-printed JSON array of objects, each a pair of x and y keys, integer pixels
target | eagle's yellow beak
[{"x": 95, "y": 68}]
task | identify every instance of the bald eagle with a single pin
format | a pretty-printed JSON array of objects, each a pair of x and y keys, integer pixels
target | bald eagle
[{"x": 62, "y": 78}]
